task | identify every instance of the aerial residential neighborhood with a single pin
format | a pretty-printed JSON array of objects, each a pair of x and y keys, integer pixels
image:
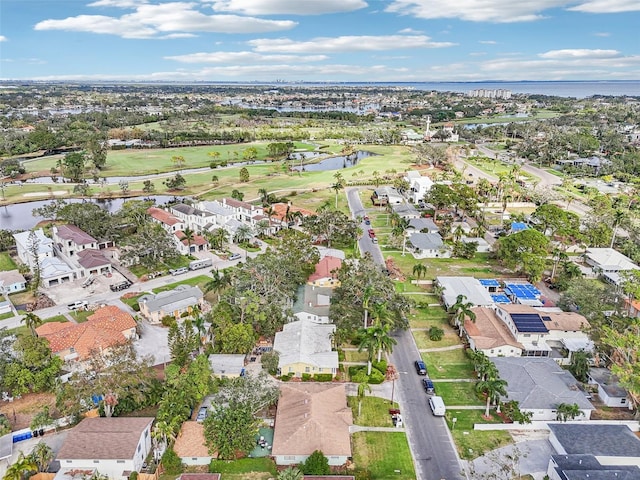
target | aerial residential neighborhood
[{"x": 320, "y": 300}]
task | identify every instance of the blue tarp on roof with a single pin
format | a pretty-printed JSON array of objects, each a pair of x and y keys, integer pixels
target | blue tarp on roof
[
  {"x": 518, "y": 226},
  {"x": 489, "y": 282},
  {"x": 524, "y": 291},
  {"x": 500, "y": 298}
]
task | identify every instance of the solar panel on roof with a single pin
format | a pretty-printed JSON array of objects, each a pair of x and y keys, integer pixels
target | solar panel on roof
[
  {"x": 488, "y": 282},
  {"x": 529, "y": 322},
  {"x": 500, "y": 298}
]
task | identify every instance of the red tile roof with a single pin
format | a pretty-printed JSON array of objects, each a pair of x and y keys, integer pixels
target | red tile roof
[
  {"x": 280, "y": 210},
  {"x": 102, "y": 330},
  {"x": 163, "y": 216},
  {"x": 73, "y": 233},
  {"x": 197, "y": 239},
  {"x": 325, "y": 267}
]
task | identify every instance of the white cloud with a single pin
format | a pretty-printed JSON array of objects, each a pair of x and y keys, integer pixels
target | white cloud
[
  {"x": 500, "y": 11},
  {"x": 171, "y": 36},
  {"x": 488, "y": 42},
  {"x": 243, "y": 58},
  {"x": 607, "y": 6},
  {"x": 578, "y": 53},
  {"x": 3, "y": 38},
  {"x": 117, "y": 3},
  {"x": 288, "y": 7},
  {"x": 148, "y": 21},
  {"x": 602, "y": 34},
  {"x": 346, "y": 44},
  {"x": 410, "y": 31}
]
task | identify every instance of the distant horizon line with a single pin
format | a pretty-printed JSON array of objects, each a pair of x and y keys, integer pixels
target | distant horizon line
[{"x": 297, "y": 82}]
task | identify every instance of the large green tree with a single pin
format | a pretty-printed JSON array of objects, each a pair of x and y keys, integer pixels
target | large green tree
[
  {"x": 230, "y": 431},
  {"x": 524, "y": 251},
  {"x": 331, "y": 227}
]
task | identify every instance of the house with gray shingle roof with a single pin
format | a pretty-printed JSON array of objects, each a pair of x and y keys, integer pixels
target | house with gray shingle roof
[
  {"x": 305, "y": 347},
  {"x": 424, "y": 225},
  {"x": 427, "y": 245},
  {"x": 610, "y": 391},
  {"x": 540, "y": 385},
  {"x": 182, "y": 299},
  {"x": 12, "y": 281}
]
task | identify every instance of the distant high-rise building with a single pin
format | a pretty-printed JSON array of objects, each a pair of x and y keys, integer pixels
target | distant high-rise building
[{"x": 487, "y": 93}]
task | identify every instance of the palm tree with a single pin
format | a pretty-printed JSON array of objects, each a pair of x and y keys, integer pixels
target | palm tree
[
  {"x": 368, "y": 343},
  {"x": 42, "y": 455},
  {"x": 366, "y": 297},
  {"x": 189, "y": 235},
  {"x": 218, "y": 238},
  {"x": 618, "y": 216},
  {"x": 461, "y": 310},
  {"x": 492, "y": 388},
  {"x": 400, "y": 229},
  {"x": 558, "y": 256},
  {"x": 291, "y": 473},
  {"x": 20, "y": 468},
  {"x": 383, "y": 338},
  {"x": 566, "y": 411},
  {"x": 218, "y": 283},
  {"x": 164, "y": 432},
  {"x": 363, "y": 388},
  {"x": 419, "y": 270},
  {"x": 336, "y": 188},
  {"x": 264, "y": 196},
  {"x": 243, "y": 233},
  {"x": 32, "y": 321}
]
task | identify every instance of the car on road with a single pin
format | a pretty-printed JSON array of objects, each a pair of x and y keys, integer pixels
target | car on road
[
  {"x": 437, "y": 406},
  {"x": 367, "y": 221},
  {"x": 178, "y": 271},
  {"x": 427, "y": 383},
  {"x": 235, "y": 256},
  {"x": 117, "y": 287},
  {"x": 78, "y": 305},
  {"x": 202, "y": 415},
  {"x": 421, "y": 367},
  {"x": 371, "y": 233}
]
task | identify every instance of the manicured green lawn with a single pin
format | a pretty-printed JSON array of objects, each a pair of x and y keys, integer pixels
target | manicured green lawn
[
  {"x": 448, "y": 364},
  {"x": 408, "y": 287},
  {"x": 199, "y": 281},
  {"x": 428, "y": 316},
  {"x": 423, "y": 342},
  {"x": 6, "y": 262},
  {"x": 244, "y": 465},
  {"x": 6, "y": 315},
  {"x": 355, "y": 356},
  {"x": 474, "y": 443},
  {"x": 480, "y": 266},
  {"x": 458, "y": 393},
  {"x": 181, "y": 261},
  {"x": 385, "y": 454},
  {"x": 374, "y": 413}
]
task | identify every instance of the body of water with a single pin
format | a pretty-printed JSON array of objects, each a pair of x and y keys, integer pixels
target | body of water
[
  {"x": 20, "y": 216},
  {"x": 334, "y": 163}
]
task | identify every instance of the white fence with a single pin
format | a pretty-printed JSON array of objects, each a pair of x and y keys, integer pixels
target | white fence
[{"x": 633, "y": 425}]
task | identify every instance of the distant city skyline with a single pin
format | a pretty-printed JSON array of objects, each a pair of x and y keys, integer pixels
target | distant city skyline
[{"x": 319, "y": 40}]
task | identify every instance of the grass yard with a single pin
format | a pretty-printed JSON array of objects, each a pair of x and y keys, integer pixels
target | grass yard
[
  {"x": 6, "y": 315},
  {"x": 6, "y": 262},
  {"x": 480, "y": 266},
  {"x": 449, "y": 364},
  {"x": 408, "y": 287},
  {"x": 237, "y": 469},
  {"x": 423, "y": 342},
  {"x": 81, "y": 316},
  {"x": 458, "y": 393},
  {"x": 355, "y": 356},
  {"x": 199, "y": 281},
  {"x": 181, "y": 261},
  {"x": 472, "y": 443},
  {"x": 385, "y": 454},
  {"x": 428, "y": 317},
  {"x": 374, "y": 413}
]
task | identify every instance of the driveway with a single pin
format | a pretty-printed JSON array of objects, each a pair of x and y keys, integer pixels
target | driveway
[
  {"x": 153, "y": 342},
  {"x": 54, "y": 440}
]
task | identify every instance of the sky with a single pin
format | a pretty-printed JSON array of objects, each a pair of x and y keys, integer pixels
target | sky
[{"x": 319, "y": 40}]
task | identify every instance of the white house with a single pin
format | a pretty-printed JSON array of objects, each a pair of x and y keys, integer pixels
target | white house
[
  {"x": 488, "y": 334},
  {"x": 418, "y": 187},
  {"x": 196, "y": 219},
  {"x": 12, "y": 281},
  {"x": 313, "y": 303},
  {"x": 310, "y": 417},
  {"x": 471, "y": 288},
  {"x": 112, "y": 446},
  {"x": 427, "y": 245},
  {"x": 247, "y": 212},
  {"x": 540, "y": 385},
  {"x": 611, "y": 393},
  {"x": 609, "y": 263},
  {"x": 25, "y": 242},
  {"x": 180, "y": 300}
]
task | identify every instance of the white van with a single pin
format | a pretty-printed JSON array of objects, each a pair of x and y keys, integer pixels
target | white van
[{"x": 437, "y": 406}]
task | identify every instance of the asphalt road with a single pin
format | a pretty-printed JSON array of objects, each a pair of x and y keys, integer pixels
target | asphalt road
[{"x": 432, "y": 447}]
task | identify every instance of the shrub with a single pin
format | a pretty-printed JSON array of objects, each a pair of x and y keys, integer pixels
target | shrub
[
  {"x": 133, "y": 475},
  {"x": 286, "y": 378},
  {"x": 376, "y": 377},
  {"x": 323, "y": 377},
  {"x": 436, "y": 334},
  {"x": 306, "y": 377},
  {"x": 354, "y": 369},
  {"x": 171, "y": 462},
  {"x": 381, "y": 365},
  {"x": 167, "y": 321},
  {"x": 316, "y": 464}
]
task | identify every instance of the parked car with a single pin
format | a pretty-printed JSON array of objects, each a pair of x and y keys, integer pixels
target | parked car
[
  {"x": 79, "y": 305},
  {"x": 235, "y": 256},
  {"x": 367, "y": 221},
  {"x": 437, "y": 406},
  {"x": 427, "y": 383},
  {"x": 371, "y": 233},
  {"x": 421, "y": 367},
  {"x": 202, "y": 414},
  {"x": 178, "y": 271},
  {"x": 116, "y": 287}
]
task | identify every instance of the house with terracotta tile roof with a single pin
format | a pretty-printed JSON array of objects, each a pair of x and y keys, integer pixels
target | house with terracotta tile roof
[
  {"x": 280, "y": 211},
  {"x": 107, "y": 327},
  {"x": 197, "y": 244},
  {"x": 490, "y": 335},
  {"x": 326, "y": 273},
  {"x": 312, "y": 416},
  {"x": 112, "y": 446},
  {"x": 169, "y": 222},
  {"x": 190, "y": 444}
]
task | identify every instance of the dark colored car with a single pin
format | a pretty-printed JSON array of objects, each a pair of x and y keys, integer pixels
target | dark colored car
[
  {"x": 427, "y": 383},
  {"x": 421, "y": 367}
]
